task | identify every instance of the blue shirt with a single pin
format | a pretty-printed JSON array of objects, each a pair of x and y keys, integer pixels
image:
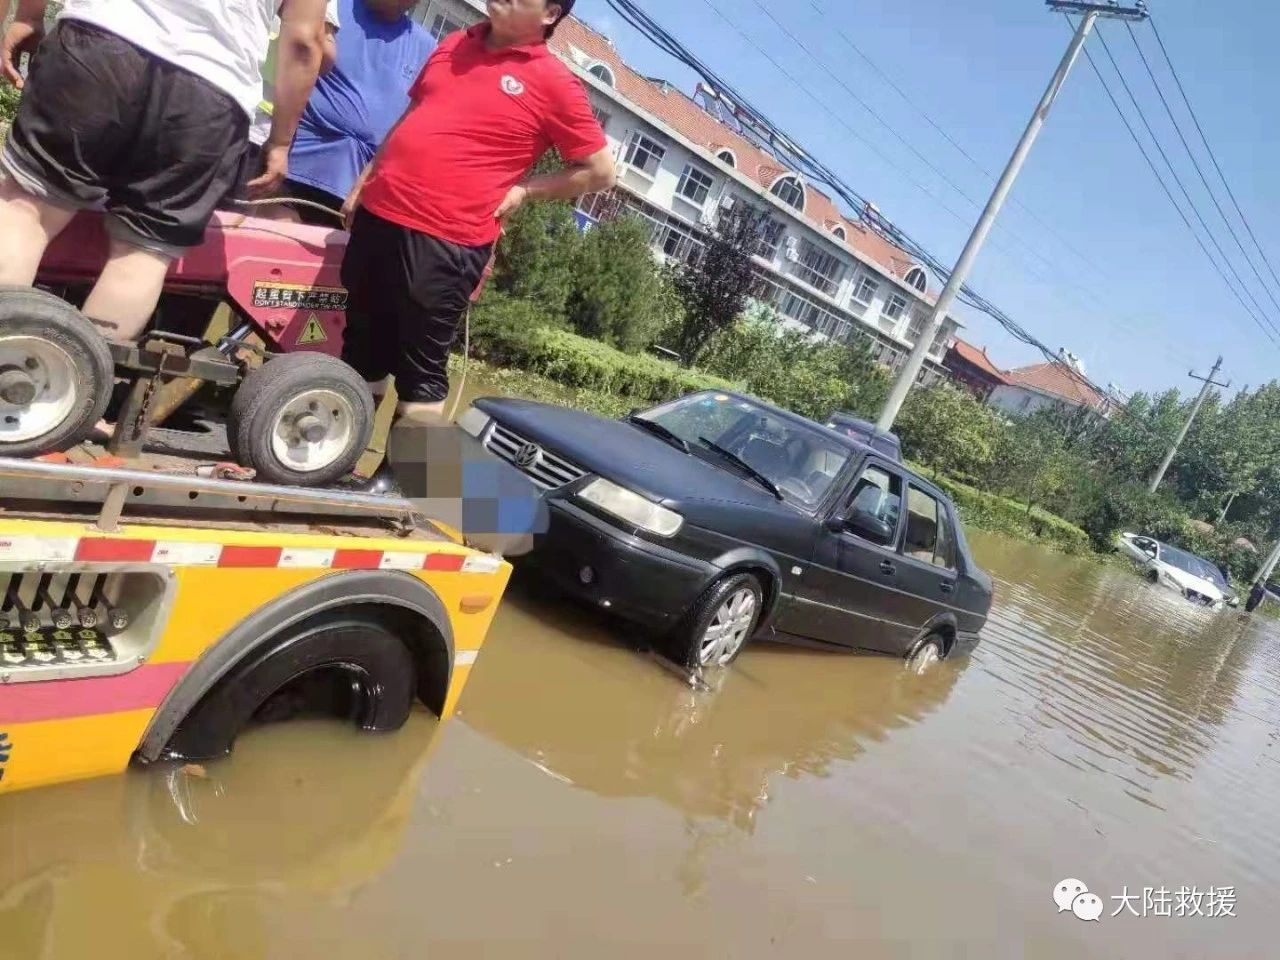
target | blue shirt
[{"x": 356, "y": 104}]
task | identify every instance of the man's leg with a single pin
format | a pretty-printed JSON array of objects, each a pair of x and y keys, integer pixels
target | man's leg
[
  {"x": 127, "y": 291},
  {"x": 27, "y": 226},
  {"x": 442, "y": 277}
]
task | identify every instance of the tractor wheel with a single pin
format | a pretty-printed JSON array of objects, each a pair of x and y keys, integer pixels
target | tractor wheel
[
  {"x": 56, "y": 373},
  {"x": 301, "y": 419}
]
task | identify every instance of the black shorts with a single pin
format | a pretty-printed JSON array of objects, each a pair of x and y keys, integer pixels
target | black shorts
[
  {"x": 407, "y": 293},
  {"x": 104, "y": 122}
]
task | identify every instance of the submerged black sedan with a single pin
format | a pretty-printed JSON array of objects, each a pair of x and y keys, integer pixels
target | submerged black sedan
[{"x": 717, "y": 518}]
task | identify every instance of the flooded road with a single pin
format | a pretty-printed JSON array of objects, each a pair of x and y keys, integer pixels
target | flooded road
[{"x": 587, "y": 803}]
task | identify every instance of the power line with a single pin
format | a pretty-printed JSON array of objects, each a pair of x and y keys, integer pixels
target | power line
[
  {"x": 804, "y": 162},
  {"x": 1199, "y": 170},
  {"x": 1178, "y": 180},
  {"x": 1212, "y": 156},
  {"x": 1164, "y": 186},
  {"x": 890, "y": 127},
  {"x": 924, "y": 115},
  {"x": 1048, "y": 280},
  {"x": 1026, "y": 265}
]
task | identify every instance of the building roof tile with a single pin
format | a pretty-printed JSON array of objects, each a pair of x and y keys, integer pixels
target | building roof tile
[
  {"x": 690, "y": 120},
  {"x": 977, "y": 356},
  {"x": 1053, "y": 379}
]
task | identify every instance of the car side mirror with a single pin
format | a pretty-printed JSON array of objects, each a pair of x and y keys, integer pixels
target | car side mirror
[{"x": 869, "y": 526}]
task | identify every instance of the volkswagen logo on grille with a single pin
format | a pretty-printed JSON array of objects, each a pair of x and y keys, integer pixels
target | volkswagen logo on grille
[{"x": 527, "y": 456}]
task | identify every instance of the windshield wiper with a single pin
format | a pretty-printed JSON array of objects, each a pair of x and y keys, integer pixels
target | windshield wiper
[
  {"x": 658, "y": 430},
  {"x": 737, "y": 461}
]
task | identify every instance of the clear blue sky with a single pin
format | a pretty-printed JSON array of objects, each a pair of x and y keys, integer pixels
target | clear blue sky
[{"x": 1151, "y": 306}]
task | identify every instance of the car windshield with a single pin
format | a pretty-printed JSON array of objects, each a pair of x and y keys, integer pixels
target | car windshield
[
  {"x": 800, "y": 461},
  {"x": 1189, "y": 563}
]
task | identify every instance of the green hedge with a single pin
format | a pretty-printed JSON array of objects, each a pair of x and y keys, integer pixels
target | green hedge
[
  {"x": 989, "y": 511},
  {"x": 509, "y": 333}
]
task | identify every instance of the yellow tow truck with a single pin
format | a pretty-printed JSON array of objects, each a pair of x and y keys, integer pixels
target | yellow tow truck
[{"x": 149, "y": 614}]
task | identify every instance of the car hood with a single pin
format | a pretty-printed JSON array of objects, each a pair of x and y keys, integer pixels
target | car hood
[
  {"x": 1189, "y": 581},
  {"x": 628, "y": 455}
]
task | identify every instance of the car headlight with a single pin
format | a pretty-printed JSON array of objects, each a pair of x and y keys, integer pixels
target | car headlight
[
  {"x": 474, "y": 421},
  {"x": 631, "y": 507}
]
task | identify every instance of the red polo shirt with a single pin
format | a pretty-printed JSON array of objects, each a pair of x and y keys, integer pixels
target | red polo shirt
[{"x": 478, "y": 120}]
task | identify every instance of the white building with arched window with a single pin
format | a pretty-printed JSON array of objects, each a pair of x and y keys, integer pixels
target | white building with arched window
[{"x": 682, "y": 158}]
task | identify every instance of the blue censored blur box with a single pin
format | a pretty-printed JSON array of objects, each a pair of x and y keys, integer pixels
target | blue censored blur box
[{"x": 452, "y": 478}]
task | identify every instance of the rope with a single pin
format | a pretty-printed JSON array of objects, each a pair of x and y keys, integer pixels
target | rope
[{"x": 292, "y": 202}]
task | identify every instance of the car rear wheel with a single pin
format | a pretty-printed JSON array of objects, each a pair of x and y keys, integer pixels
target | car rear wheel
[
  {"x": 719, "y": 625},
  {"x": 926, "y": 656}
]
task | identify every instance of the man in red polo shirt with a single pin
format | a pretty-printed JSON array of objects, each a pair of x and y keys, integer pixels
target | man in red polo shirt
[{"x": 426, "y": 212}]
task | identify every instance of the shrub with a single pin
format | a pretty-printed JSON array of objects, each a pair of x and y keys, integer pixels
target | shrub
[
  {"x": 948, "y": 429},
  {"x": 506, "y": 333},
  {"x": 538, "y": 257},
  {"x": 9, "y": 98},
  {"x": 989, "y": 511},
  {"x": 620, "y": 294},
  {"x": 811, "y": 376}
]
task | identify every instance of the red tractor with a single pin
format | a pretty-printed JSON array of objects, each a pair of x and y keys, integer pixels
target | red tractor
[{"x": 294, "y": 412}]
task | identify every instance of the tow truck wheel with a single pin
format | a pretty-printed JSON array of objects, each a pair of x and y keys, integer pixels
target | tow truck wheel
[
  {"x": 56, "y": 373},
  {"x": 302, "y": 419},
  {"x": 351, "y": 666}
]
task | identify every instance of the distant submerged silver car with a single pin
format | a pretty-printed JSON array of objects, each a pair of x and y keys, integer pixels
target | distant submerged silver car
[{"x": 1184, "y": 573}]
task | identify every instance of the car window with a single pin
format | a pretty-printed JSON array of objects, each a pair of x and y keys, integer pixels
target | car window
[
  {"x": 1189, "y": 563},
  {"x": 945, "y": 555},
  {"x": 801, "y": 461},
  {"x": 879, "y": 494},
  {"x": 924, "y": 537}
]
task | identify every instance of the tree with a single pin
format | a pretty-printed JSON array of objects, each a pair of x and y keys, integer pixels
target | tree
[
  {"x": 538, "y": 257},
  {"x": 620, "y": 294},
  {"x": 716, "y": 286},
  {"x": 949, "y": 430}
]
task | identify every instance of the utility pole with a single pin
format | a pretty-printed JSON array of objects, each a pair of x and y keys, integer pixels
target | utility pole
[
  {"x": 1259, "y": 591},
  {"x": 1209, "y": 384},
  {"x": 1090, "y": 13},
  {"x": 1227, "y": 509}
]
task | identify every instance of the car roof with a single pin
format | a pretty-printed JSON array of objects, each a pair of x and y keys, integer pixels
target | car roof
[{"x": 866, "y": 425}]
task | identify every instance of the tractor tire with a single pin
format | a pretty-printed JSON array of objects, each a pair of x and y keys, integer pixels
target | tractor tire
[
  {"x": 56, "y": 374},
  {"x": 301, "y": 419}
]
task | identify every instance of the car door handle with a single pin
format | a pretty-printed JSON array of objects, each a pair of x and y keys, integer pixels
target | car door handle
[
  {"x": 887, "y": 568},
  {"x": 948, "y": 587}
]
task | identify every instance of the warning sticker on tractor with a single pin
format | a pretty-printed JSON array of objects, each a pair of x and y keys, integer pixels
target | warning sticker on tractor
[
  {"x": 313, "y": 332},
  {"x": 297, "y": 296}
]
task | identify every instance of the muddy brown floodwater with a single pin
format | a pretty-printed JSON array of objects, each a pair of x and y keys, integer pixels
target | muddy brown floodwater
[{"x": 586, "y": 803}]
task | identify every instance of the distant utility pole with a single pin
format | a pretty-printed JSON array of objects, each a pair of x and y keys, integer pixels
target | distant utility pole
[
  {"x": 1209, "y": 384},
  {"x": 1259, "y": 591},
  {"x": 1090, "y": 13}
]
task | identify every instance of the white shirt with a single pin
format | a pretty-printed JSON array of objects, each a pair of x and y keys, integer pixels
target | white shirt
[
  {"x": 260, "y": 129},
  {"x": 223, "y": 41}
]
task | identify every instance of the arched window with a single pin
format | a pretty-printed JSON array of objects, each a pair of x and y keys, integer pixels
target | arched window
[
  {"x": 917, "y": 278},
  {"x": 602, "y": 73},
  {"x": 726, "y": 156},
  {"x": 789, "y": 190},
  {"x": 839, "y": 233}
]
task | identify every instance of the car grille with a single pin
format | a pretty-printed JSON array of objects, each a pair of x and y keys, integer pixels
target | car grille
[
  {"x": 547, "y": 470},
  {"x": 1199, "y": 598}
]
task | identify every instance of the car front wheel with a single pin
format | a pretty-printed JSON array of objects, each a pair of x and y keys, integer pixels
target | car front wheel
[
  {"x": 718, "y": 626},
  {"x": 925, "y": 657}
]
